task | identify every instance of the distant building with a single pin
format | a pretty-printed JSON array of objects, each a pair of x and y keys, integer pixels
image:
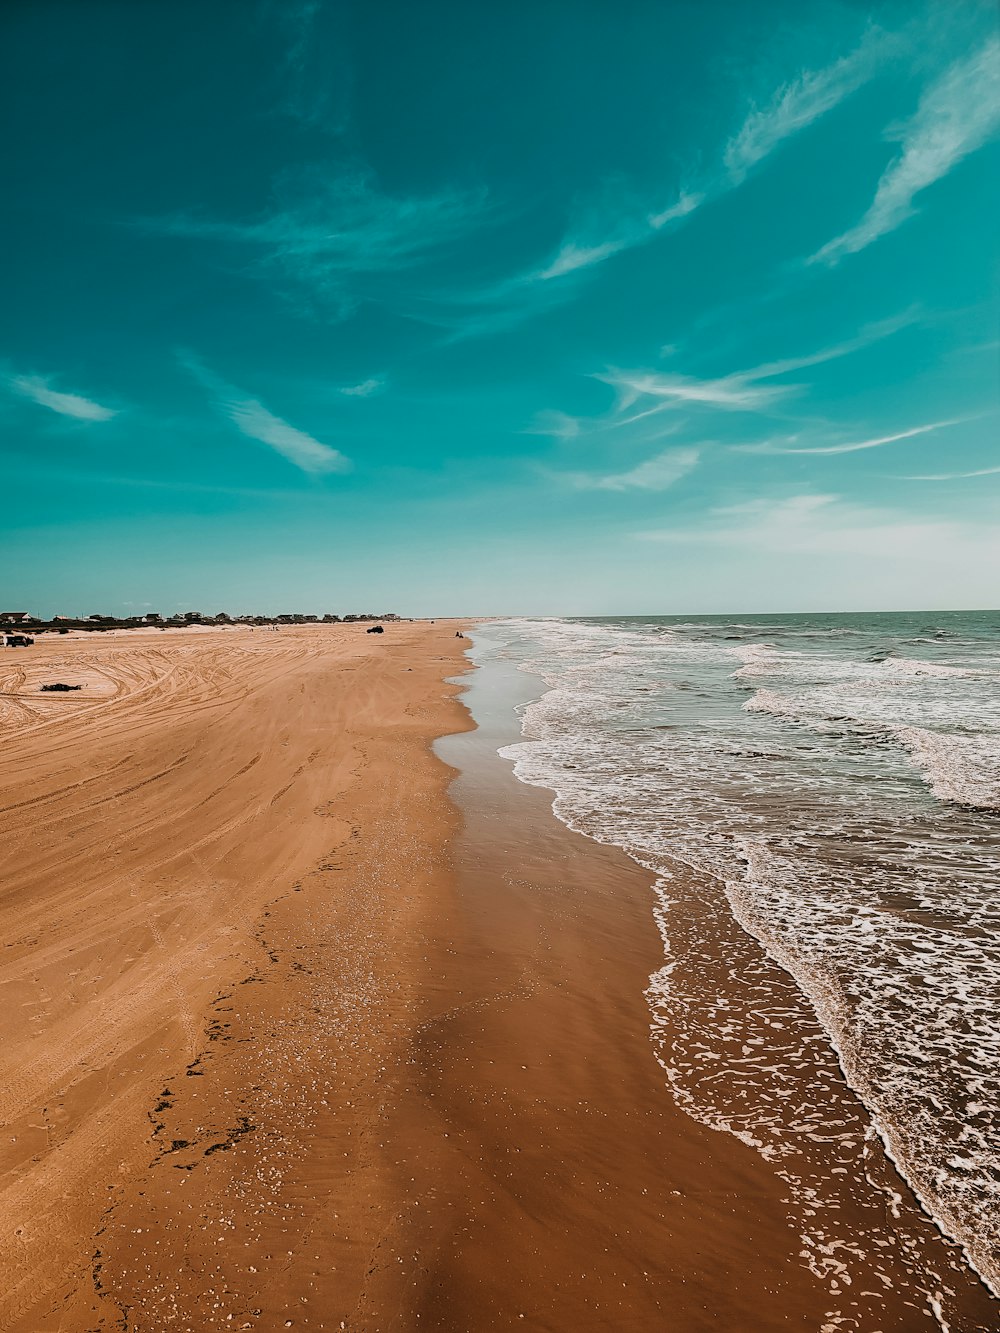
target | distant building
[
  {"x": 152, "y": 617},
  {"x": 14, "y": 617}
]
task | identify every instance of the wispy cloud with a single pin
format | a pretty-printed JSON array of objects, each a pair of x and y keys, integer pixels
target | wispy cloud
[
  {"x": 789, "y": 447},
  {"x": 609, "y": 231},
  {"x": 608, "y": 227},
  {"x": 730, "y": 392},
  {"x": 365, "y": 389},
  {"x": 603, "y": 223},
  {"x": 560, "y": 425},
  {"x": 631, "y": 420},
  {"x": 871, "y": 333},
  {"x": 742, "y": 391},
  {"x": 338, "y": 241},
  {"x": 797, "y": 105},
  {"x": 573, "y": 256},
  {"x": 254, "y": 420},
  {"x": 471, "y": 310},
  {"x": 687, "y": 202},
  {"x": 338, "y": 235},
  {"x": 36, "y": 387},
  {"x": 957, "y": 114},
  {"x": 655, "y": 474},
  {"x": 310, "y": 84},
  {"x": 955, "y": 476}
]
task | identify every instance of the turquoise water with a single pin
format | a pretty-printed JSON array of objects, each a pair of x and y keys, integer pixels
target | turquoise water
[{"x": 833, "y": 783}]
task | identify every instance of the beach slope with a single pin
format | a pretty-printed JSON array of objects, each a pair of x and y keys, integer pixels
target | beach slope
[{"x": 299, "y": 1032}]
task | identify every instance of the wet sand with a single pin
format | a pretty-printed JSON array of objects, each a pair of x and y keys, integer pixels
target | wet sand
[
  {"x": 614, "y": 1209},
  {"x": 293, "y": 1040}
]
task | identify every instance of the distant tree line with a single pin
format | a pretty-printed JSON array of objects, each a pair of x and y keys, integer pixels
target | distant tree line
[{"x": 179, "y": 620}]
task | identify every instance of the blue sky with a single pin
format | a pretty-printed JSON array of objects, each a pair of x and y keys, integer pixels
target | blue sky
[{"x": 548, "y": 307}]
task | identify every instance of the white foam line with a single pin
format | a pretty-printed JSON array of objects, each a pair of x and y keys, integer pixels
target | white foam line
[{"x": 810, "y": 983}]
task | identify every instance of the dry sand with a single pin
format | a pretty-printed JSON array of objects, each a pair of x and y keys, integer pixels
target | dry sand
[{"x": 289, "y": 1043}]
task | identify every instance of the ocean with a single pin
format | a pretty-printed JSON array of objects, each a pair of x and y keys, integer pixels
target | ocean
[{"x": 818, "y": 799}]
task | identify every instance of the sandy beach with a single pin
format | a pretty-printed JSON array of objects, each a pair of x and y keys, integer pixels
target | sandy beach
[
  {"x": 216, "y": 875},
  {"x": 300, "y": 1032}
]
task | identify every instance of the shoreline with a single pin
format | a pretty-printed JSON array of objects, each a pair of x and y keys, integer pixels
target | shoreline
[
  {"x": 871, "y": 1199},
  {"x": 610, "y": 1207},
  {"x": 388, "y": 1061}
]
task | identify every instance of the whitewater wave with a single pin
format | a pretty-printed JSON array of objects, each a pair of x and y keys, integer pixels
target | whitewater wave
[{"x": 879, "y": 902}]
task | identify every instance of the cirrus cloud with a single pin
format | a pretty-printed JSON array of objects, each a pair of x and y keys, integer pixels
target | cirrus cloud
[
  {"x": 655, "y": 474},
  {"x": 254, "y": 420},
  {"x": 958, "y": 113},
  {"x": 37, "y": 388}
]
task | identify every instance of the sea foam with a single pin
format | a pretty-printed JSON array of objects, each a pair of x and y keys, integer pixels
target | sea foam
[{"x": 844, "y": 808}]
